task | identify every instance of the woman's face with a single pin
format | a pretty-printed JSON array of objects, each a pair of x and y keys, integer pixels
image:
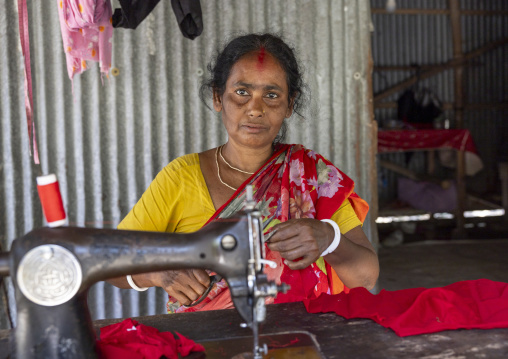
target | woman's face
[{"x": 255, "y": 101}]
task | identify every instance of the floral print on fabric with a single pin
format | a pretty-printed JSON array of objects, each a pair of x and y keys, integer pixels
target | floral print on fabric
[
  {"x": 328, "y": 180},
  {"x": 301, "y": 205},
  {"x": 294, "y": 183},
  {"x": 87, "y": 31}
]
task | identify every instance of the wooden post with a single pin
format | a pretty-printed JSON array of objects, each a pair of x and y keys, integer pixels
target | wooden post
[
  {"x": 503, "y": 176},
  {"x": 458, "y": 56},
  {"x": 431, "y": 164},
  {"x": 458, "y": 71}
]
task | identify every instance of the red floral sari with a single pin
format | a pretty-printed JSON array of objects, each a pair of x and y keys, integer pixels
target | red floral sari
[{"x": 294, "y": 183}]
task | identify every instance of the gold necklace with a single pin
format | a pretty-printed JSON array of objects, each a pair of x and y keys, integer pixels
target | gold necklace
[
  {"x": 218, "y": 172},
  {"x": 233, "y": 168}
]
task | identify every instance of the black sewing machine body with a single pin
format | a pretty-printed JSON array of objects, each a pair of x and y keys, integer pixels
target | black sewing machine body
[{"x": 44, "y": 260}]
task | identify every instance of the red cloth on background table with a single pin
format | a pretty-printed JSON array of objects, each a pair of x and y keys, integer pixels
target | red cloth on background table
[
  {"x": 478, "y": 304},
  {"x": 444, "y": 140},
  {"x": 407, "y": 140},
  {"x": 131, "y": 340}
]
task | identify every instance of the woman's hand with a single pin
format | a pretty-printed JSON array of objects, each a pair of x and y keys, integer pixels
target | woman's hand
[
  {"x": 301, "y": 241},
  {"x": 184, "y": 285}
]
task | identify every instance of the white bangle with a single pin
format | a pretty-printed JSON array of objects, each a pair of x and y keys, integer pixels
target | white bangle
[
  {"x": 134, "y": 286},
  {"x": 336, "y": 239}
]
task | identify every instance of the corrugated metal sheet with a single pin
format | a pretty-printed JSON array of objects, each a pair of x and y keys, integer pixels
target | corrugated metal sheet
[
  {"x": 487, "y": 81},
  {"x": 426, "y": 39},
  {"x": 107, "y": 142}
]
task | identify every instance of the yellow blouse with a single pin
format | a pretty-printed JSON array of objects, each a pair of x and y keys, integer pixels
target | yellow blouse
[{"x": 178, "y": 200}]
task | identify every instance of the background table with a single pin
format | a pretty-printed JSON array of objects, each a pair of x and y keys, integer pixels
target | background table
[{"x": 459, "y": 140}]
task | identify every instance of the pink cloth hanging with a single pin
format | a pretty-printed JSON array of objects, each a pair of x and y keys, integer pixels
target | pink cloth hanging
[
  {"x": 25, "y": 48},
  {"x": 86, "y": 32}
]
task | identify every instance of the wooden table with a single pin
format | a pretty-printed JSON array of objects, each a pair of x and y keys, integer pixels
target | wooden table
[
  {"x": 430, "y": 140},
  {"x": 336, "y": 337}
]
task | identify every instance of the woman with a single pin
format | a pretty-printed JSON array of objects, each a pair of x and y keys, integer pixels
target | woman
[{"x": 256, "y": 84}]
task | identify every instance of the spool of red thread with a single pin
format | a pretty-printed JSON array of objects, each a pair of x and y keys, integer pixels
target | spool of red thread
[{"x": 51, "y": 200}]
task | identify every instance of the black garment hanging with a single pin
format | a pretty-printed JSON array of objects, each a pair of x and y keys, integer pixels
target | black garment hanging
[
  {"x": 189, "y": 17},
  {"x": 133, "y": 12}
]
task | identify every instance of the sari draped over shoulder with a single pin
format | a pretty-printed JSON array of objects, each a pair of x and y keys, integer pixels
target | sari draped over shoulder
[{"x": 294, "y": 183}]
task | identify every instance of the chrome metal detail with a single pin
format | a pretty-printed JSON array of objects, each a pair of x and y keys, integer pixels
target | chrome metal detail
[
  {"x": 228, "y": 242},
  {"x": 49, "y": 275}
]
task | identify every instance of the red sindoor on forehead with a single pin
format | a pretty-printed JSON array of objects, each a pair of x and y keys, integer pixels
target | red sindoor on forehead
[{"x": 261, "y": 58}]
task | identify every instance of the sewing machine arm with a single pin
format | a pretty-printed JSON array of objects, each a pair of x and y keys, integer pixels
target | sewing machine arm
[{"x": 52, "y": 270}]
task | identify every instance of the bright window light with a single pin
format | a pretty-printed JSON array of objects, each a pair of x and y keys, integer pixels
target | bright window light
[
  {"x": 444, "y": 215},
  {"x": 414, "y": 218},
  {"x": 484, "y": 213}
]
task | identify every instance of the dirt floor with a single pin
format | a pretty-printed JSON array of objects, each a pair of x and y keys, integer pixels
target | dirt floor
[{"x": 422, "y": 262}]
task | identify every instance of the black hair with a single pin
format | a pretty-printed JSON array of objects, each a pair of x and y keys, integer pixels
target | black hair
[{"x": 220, "y": 68}]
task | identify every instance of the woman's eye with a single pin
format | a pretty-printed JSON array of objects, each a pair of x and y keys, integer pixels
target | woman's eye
[
  {"x": 242, "y": 92},
  {"x": 272, "y": 95}
]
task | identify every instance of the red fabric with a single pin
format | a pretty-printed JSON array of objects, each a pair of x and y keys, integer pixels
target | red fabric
[
  {"x": 131, "y": 340},
  {"x": 407, "y": 140},
  {"x": 478, "y": 304}
]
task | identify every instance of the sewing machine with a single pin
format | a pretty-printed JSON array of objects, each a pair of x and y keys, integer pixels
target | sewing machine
[{"x": 52, "y": 270}]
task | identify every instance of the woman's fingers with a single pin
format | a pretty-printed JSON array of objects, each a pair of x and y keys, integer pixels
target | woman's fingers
[
  {"x": 202, "y": 277},
  {"x": 301, "y": 241},
  {"x": 301, "y": 264},
  {"x": 294, "y": 234},
  {"x": 199, "y": 285},
  {"x": 294, "y": 253},
  {"x": 185, "y": 285},
  {"x": 284, "y": 230},
  {"x": 284, "y": 242},
  {"x": 182, "y": 298}
]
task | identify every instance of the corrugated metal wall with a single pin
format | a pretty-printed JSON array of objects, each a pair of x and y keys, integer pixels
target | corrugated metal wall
[
  {"x": 487, "y": 81},
  {"x": 427, "y": 39},
  {"x": 108, "y": 142}
]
